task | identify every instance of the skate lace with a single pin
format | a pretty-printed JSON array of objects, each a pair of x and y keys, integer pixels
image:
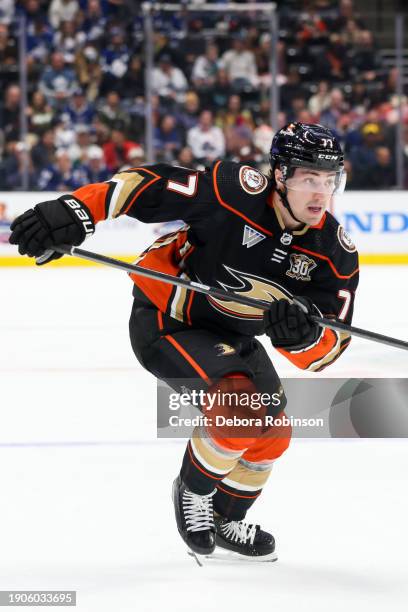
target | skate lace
[
  {"x": 198, "y": 511},
  {"x": 239, "y": 531}
]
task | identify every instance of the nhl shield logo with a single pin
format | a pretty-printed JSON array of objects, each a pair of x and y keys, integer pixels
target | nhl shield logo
[
  {"x": 300, "y": 267},
  {"x": 286, "y": 238}
]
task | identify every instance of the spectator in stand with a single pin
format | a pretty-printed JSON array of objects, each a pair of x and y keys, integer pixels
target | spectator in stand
[
  {"x": 206, "y": 141},
  {"x": 94, "y": 167},
  {"x": 263, "y": 133},
  {"x": 78, "y": 109},
  {"x": 79, "y": 150},
  {"x": 6, "y": 11},
  {"x": 383, "y": 173},
  {"x": 62, "y": 10},
  {"x": 187, "y": 116},
  {"x": 168, "y": 81},
  {"x": 292, "y": 88},
  {"x": 364, "y": 156},
  {"x": 39, "y": 37},
  {"x": 116, "y": 150},
  {"x": 102, "y": 132},
  {"x": 61, "y": 176},
  {"x": 40, "y": 114},
  {"x": 351, "y": 33},
  {"x": 115, "y": 59},
  {"x": 185, "y": 158},
  {"x": 263, "y": 60},
  {"x": 167, "y": 139},
  {"x": 238, "y": 139},
  {"x": 12, "y": 168},
  {"x": 364, "y": 58},
  {"x": 68, "y": 39},
  {"x": 10, "y": 113},
  {"x": 333, "y": 64},
  {"x": 320, "y": 101},
  {"x": 89, "y": 71},
  {"x": 8, "y": 57},
  {"x": 304, "y": 116},
  {"x": 218, "y": 97},
  {"x": 338, "y": 106},
  {"x": 58, "y": 82},
  {"x": 34, "y": 11},
  {"x": 240, "y": 65},
  {"x": 346, "y": 13},
  {"x": 111, "y": 112},
  {"x": 312, "y": 27},
  {"x": 358, "y": 98},
  {"x": 94, "y": 24},
  {"x": 298, "y": 106},
  {"x": 65, "y": 136},
  {"x": 348, "y": 130},
  {"x": 376, "y": 175},
  {"x": 133, "y": 83},
  {"x": 234, "y": 115},
  {"x": 43, "y": 153},
  {"x": 136, "y": 157},
  {"x": 205, "y": 68}
]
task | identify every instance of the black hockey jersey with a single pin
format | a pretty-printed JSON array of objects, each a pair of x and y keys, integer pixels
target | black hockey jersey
[{"x": 234, "y": 238}]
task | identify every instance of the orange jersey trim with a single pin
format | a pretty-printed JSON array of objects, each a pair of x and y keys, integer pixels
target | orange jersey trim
[
  {"x": 190, "y": 303},
  {"x": 341, "y": 351},
  {"x": 188, "y": 358},
  {"x": 331, "y": 264},
  {"x": 236, "y": 494},
  {"x": 320, "y": 224},
  {"x": 233, "y": 210},
  {"x": 306, "y": 358}
]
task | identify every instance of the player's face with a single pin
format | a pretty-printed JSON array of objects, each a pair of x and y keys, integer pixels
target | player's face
[{"x": 309, "y": 193}]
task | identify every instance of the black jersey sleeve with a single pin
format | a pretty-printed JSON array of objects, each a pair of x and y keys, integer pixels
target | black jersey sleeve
[{"x": 151, "y": 194}]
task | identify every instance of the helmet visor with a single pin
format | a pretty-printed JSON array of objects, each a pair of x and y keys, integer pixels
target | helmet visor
[{"x": 310, "y": 180}]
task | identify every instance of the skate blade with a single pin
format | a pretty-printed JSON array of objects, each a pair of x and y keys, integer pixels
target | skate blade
[
  {"x": 230, "y": 555},
  {"x": 198, "y": 558}
]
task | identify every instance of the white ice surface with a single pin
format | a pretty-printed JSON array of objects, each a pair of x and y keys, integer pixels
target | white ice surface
[{"x": 85, "y": 485}]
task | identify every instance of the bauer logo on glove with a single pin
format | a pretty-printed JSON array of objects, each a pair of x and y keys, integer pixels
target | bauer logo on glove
[{"x": 65, "y": 220}]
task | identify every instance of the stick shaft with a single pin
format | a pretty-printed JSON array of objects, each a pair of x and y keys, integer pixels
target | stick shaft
[{"x": 222, "y": 294}]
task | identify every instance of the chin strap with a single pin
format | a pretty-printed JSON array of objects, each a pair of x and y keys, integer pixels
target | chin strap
[{"x": 283, "y": 194}]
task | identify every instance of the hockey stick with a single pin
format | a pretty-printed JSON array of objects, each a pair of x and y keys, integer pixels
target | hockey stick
[{"x": 222, "y": 294}]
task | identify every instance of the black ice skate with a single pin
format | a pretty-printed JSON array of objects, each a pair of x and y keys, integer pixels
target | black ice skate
[
  {"x": 195, "y": 518},
  {"x": 248, "y": 541}
]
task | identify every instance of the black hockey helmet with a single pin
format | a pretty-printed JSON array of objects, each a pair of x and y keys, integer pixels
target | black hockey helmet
[{"x": 306, "y": 145}]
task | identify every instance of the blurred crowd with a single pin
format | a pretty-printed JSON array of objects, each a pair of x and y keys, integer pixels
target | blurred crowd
[{"x": 211, "y": 88}]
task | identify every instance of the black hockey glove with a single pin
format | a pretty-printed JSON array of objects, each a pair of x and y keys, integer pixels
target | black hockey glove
[
  {"x": 288, "y": 325},
  {"x": 63, "y": 221}
]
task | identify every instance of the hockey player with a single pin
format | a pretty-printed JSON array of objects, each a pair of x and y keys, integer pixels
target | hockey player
[{"x": 265, "y": 237}]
